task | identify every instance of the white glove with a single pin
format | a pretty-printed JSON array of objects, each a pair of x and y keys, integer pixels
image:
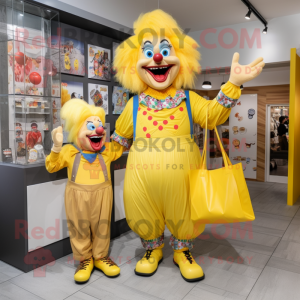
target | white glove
[
  {"x": 241, "y": 74},
  {"x": 57, "y": 138}
]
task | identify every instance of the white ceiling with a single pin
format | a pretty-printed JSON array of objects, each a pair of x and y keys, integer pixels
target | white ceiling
[{"x": 194, "y": 14}]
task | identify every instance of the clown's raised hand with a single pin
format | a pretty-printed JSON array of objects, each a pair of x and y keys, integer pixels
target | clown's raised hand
[
  {"x": 240, "y": 74},
  {"x": 57, "y": 137}
]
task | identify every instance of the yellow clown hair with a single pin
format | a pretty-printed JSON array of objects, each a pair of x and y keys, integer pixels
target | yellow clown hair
[
  {"x": 75, "y": 112},
  {"x": 156, "y": 24}
]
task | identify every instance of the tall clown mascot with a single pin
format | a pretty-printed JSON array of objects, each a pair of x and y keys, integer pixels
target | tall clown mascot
[
  {"x": 156, "y": 63},
  {"x": 88, "y": 195}
]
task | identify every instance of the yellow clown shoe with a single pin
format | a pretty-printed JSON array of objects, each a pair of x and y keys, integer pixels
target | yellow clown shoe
[
  {"x": 107, "y": 266},
  {"x": 84, "y": 270},
  {"x": 189, "y": 269},
  {"x": 148, "y": 265}
]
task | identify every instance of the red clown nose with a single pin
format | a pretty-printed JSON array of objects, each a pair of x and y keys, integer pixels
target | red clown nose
[
  {"x": 158, "y": 57},
  {"x": 99, "y": 130}
]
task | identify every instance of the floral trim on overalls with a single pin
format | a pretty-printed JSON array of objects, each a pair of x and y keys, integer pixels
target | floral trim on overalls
[
  {"x": 169, "y": 102},
  {"x": 226, "y": 101},
  {"x": 152, "y": 244},
  {"x": 121, "y": 140},
  {"x": 178, "y": 244}
]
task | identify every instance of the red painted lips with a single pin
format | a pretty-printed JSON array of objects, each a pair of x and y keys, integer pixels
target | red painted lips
[
  {"x": 159, "y": 73},
  {"x": 95, "y": 141}
]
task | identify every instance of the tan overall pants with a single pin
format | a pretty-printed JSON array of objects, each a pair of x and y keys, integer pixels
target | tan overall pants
[{"x": 88, "y": 210}]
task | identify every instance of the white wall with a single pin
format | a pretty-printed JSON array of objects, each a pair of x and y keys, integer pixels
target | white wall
[
  {"x": 269, "y": 76},
  {"x": 283, "y": 34}
]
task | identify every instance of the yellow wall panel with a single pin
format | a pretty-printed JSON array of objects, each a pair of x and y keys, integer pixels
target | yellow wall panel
[{"x": 294, "y": 131}]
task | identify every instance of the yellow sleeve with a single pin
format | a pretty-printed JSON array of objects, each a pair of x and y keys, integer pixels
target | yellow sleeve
[
  {"x": 124, "y": 126},
  {"x": 57, "y": 161},
  {"x": 218, "y": 109},
  {"x": 114, "y": 150}
]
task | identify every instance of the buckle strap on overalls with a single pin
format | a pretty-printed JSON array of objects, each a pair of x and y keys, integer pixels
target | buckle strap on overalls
[
  {"x": 188, "y": 106},
  {"x": 77, "y": 163}
]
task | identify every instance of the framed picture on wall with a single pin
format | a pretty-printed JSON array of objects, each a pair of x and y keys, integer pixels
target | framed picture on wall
[
  {"x": 72, "y": 57},
  {"x": 99, "y": 63},
  {"x": 120, "y": 97},
  {"x": 71, "y": 90},
  {"x": 98, "y": 96}
]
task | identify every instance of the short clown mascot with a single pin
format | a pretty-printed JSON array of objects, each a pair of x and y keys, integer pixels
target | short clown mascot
[
  {"x": 157, "y": 63},
  {"x": 88, "y": 195}
]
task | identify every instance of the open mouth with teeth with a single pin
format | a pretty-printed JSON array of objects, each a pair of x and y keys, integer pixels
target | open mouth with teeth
[
  {"x": 95, "y": 141},
  {"x": 159, "y": 73}
]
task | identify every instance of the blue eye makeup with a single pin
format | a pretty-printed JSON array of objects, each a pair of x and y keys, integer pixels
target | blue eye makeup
[
  {"x": 91, "y": 126},
  {"x": 148, "y": 49},
  {"x": 165, "y": 52},
  {"x": 100, "y": 124},
  {"x": 165, "y": 47},
  {"x": 149, "y": 53}
]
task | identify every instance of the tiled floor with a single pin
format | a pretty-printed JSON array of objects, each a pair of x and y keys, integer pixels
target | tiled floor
[{"x": 260, "y": 262}]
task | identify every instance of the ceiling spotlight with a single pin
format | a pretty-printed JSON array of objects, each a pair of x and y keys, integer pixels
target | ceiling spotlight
[
  {"x": 248, "y": 14},
  {"x": 241, "y": 87},
  {"x": 206, "y": 85},
  {"x": 265, "y": 31},
  {"x": 48, "y": 10},
  {"x": 21, "y": 15}
]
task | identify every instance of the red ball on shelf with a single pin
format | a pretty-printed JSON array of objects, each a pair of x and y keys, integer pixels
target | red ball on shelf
[
  {"x": 35, "y": 78},
  {"x": 20, "y": 58}
]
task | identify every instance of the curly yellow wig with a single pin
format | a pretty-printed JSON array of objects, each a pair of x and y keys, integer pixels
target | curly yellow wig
[
  {"x": 152, "y": 24},
  {"x": 75, "y": 112}
]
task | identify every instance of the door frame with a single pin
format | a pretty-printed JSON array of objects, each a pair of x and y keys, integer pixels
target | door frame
[{"x": 268, "y": 177}]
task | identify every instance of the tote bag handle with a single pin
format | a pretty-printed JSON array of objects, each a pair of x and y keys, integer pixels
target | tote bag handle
[{"x": 226, "y": 159}]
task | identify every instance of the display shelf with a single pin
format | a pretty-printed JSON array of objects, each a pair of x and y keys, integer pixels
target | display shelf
[
  {"x": 32, "y": 113},
  {"x": 30, "y": 88}
]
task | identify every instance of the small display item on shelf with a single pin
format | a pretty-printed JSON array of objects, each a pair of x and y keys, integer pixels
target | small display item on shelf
[
  {"x": 34, "y": 136},
  {"x": 239, "y": 158},
  {"x": 235, "y": 129},
  {"x": 242, "y": 130},
  {"x": 251, "y": 113},
  {"x": 240, "y": 118},
  {"x": 40, "y": 151},
  {"x": 35, "y": 78},
  {"x": 33, "y": 156},
  {"x": 18, "y": 103},
  {"x": 7, "y": 155},
  {"x": 236, "y": 143},
  {"x": 248, "y": 145},
  {"x": 46, "y": 126}
]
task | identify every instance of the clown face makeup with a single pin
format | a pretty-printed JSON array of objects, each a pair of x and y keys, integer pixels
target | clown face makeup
[
  {"x": 92, "y": 135},
  {"x": 158, "y": 64}
]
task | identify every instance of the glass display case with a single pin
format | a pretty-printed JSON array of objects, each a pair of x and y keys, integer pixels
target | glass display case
[{"x": 30, "y": 81}]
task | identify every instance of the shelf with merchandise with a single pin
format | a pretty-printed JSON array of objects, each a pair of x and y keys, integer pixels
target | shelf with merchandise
[{"x": 30, "y": 93}]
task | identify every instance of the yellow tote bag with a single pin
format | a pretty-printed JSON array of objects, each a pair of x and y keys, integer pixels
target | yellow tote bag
[{"x": 221, "y": 195}]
